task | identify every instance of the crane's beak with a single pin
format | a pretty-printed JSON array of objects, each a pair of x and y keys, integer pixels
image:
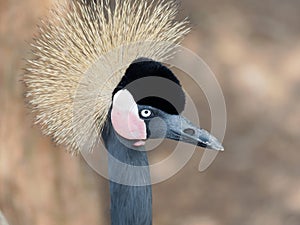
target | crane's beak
[{"x": 181, "y": 129}]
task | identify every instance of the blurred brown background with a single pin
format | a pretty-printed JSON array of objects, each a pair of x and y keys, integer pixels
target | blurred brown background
[{"x": 253, "y": 47}]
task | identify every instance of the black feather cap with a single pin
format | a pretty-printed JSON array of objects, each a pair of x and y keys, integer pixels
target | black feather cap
[{"x": 151, "y": 83}]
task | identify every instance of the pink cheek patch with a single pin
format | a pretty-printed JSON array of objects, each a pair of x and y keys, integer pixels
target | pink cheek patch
[
  {"x": 125, "y": 117},
  {"x": 127, "y": 125}
]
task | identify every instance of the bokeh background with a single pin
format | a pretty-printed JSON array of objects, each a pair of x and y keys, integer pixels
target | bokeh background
[{"x": 252, "y": 46}]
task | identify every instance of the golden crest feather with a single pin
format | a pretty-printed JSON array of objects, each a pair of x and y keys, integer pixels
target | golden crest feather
[{"x": 80, "y": 56}]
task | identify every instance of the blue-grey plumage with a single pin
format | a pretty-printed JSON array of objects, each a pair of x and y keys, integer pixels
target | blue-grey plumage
[{"x": 130, "y": 205}]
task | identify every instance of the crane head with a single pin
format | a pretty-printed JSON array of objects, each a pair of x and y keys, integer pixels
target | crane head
[{"x": 139, "y": 111}]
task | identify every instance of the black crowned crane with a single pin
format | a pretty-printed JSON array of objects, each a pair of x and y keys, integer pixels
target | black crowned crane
[{"x": 88, "y": 79}]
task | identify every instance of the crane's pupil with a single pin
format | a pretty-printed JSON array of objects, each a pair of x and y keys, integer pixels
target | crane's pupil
[{"x": 146, "y": 113}]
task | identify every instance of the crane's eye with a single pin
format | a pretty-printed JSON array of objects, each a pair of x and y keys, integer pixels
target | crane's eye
[{"x": 146, "y": 113}]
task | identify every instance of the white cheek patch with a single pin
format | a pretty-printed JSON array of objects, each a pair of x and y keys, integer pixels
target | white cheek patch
[{"x": 125, "y": 117}]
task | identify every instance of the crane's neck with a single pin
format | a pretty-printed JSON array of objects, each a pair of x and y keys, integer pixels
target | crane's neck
[{"x": 130, "y": 205}]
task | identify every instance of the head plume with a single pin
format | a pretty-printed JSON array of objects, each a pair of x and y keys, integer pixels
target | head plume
[{"x": 80, "y": 55}]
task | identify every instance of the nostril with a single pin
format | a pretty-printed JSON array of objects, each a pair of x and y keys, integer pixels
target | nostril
[{"x": 189, "y": 131}]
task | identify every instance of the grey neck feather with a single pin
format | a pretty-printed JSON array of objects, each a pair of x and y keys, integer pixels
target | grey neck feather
[{"x": 130, "y": 205}]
